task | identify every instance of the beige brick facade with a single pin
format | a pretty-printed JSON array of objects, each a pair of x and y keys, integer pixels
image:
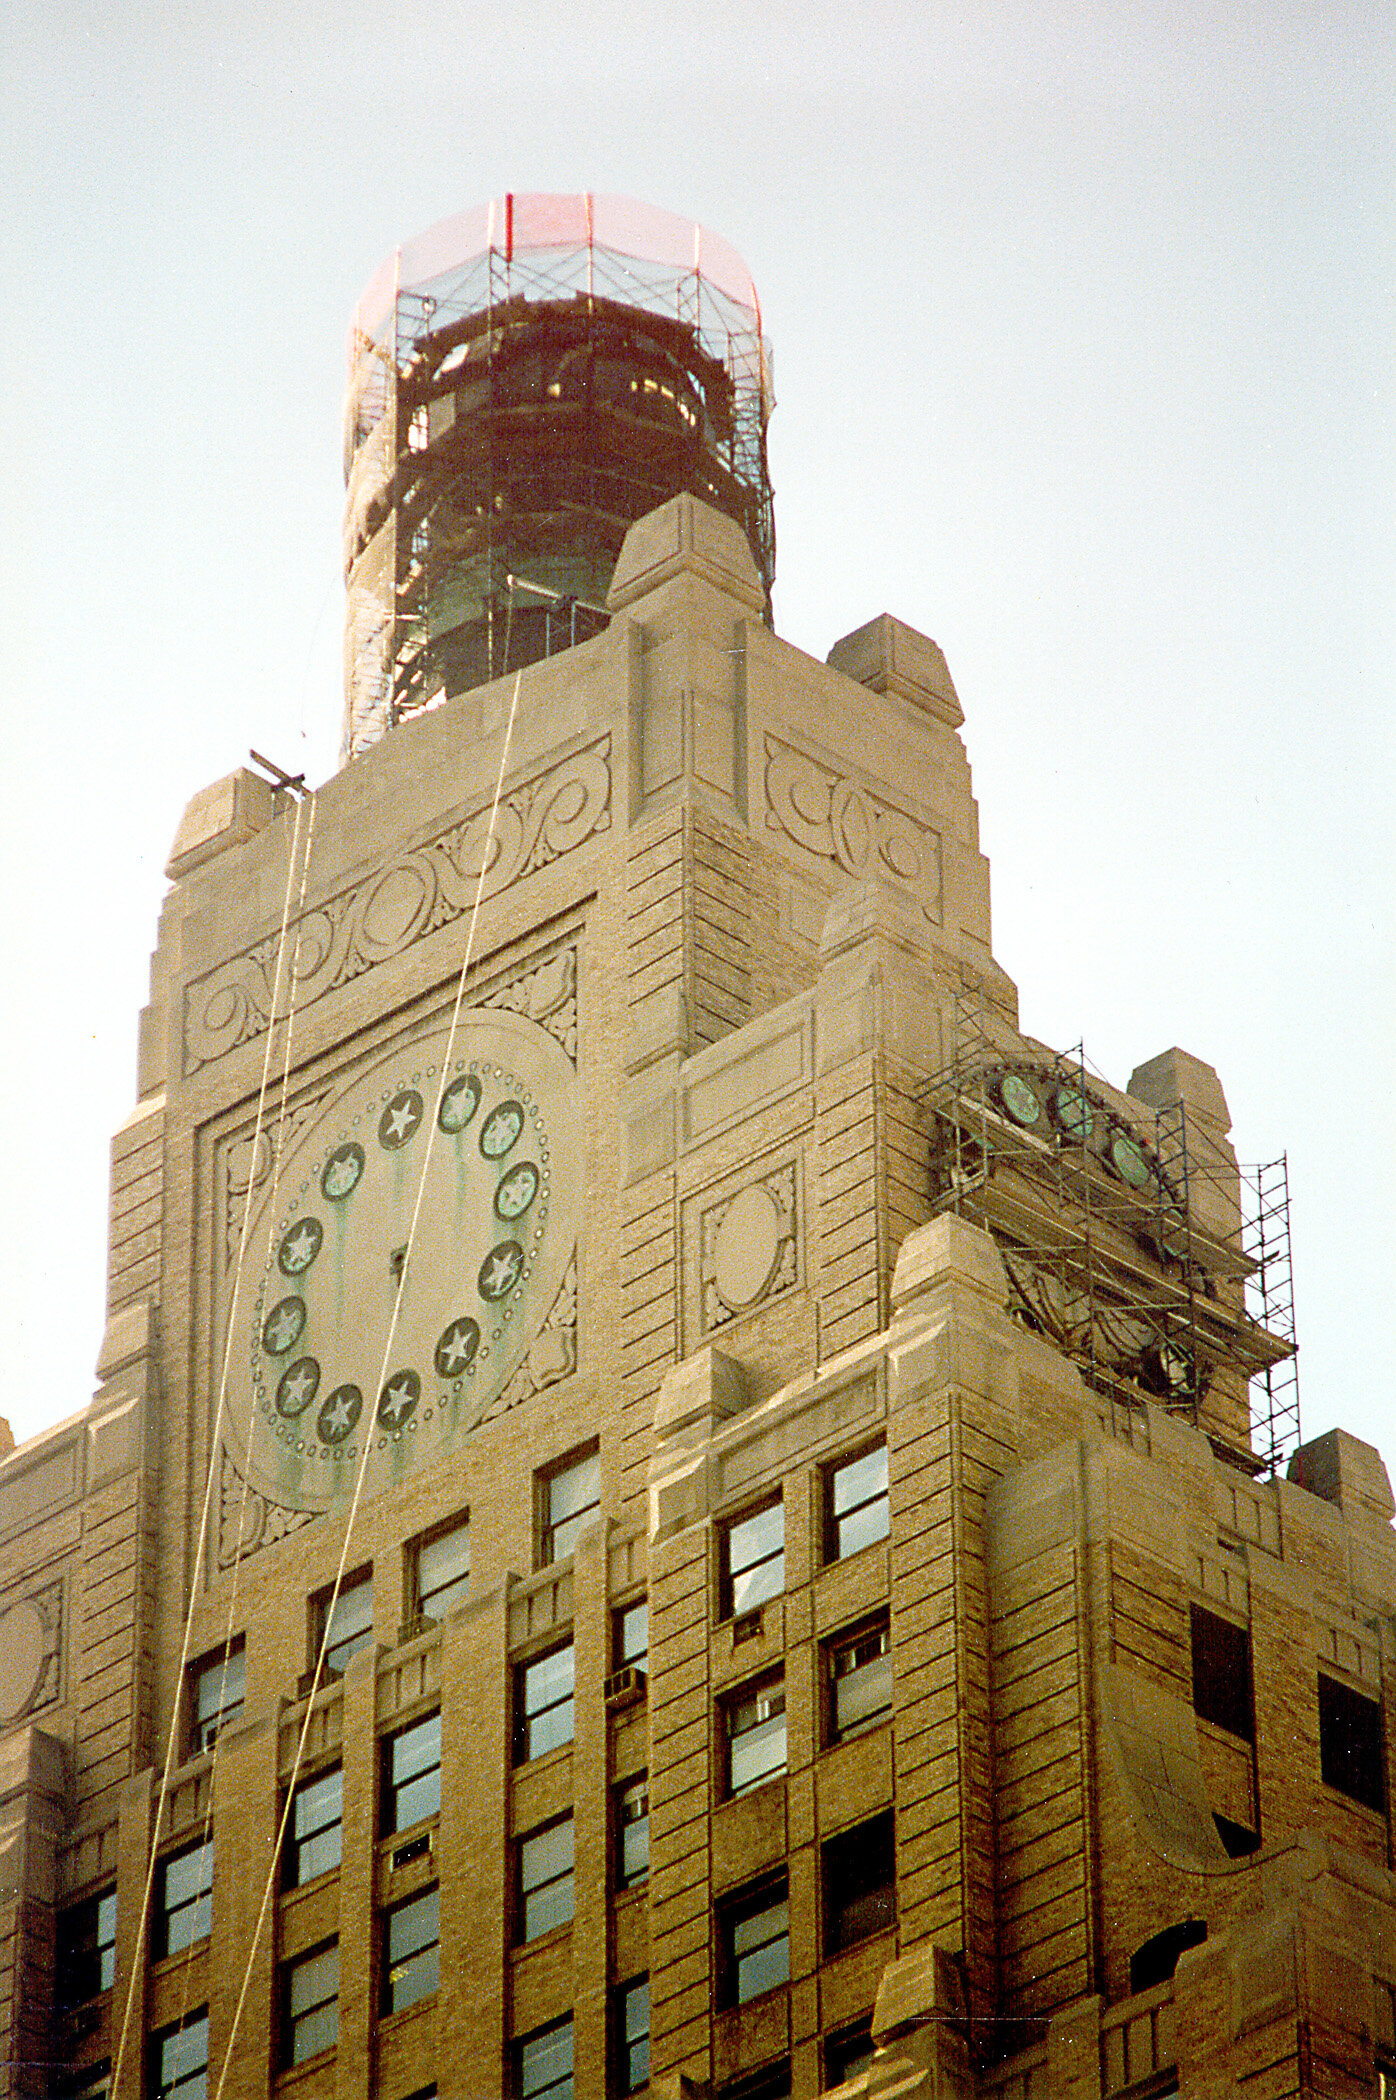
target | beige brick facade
[{"x": 943, "y": 1782}]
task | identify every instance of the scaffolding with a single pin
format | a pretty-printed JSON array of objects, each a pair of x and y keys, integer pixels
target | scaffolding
[
  {"x": 524, "y": 383},
  {"x": 1129, "y": 1238}
]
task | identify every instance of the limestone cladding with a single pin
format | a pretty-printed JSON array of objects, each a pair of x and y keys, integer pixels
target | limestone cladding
[{"x": 929, "y": 1754}]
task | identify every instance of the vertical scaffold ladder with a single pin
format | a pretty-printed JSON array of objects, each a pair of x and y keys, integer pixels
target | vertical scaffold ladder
[{"x": 1270, "y": 1292}]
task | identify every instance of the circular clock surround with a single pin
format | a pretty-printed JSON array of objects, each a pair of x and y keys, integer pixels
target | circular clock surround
[{"x": 494, "y": 1182}]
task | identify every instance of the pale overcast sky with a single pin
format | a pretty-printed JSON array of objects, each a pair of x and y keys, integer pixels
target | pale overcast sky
[{"x": 1082, "y": 321}]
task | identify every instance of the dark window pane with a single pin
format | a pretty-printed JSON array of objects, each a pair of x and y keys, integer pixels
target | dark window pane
[
  {"x": 859, "y": 1883},
  {"x": 185, "y": 1906},
  {"x": 546, "y": 1887},
  {"x": 1221, "y": 1674},
  {"x": 180, "y": 2058},
  {"x": 755, "y": 1736},
  {"x": 571, "y": 1498},
  {"x": 632, "y": 1635},
  {"x": 219, "y": 1691},
  {"x": 1350, "y": 1743}
]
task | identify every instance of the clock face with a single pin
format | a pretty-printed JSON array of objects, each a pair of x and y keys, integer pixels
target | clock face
[{"x": 345, "y": 1343}]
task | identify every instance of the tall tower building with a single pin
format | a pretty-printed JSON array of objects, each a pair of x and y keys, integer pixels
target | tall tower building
[{"x": 672, "y": 1502}]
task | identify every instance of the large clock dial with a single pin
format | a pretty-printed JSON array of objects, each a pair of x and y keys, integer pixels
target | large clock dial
[{"x": 345, "y": 1342}]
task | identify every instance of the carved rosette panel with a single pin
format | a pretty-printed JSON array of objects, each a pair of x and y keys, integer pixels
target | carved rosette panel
[
  {"x": 538, "y": 822},
  {"x": 748, "y": 1247},
  {"x": 837, "y": 817},
  {"x": 31, "y": 1653},
  {"x": 553, "y": 1356}
]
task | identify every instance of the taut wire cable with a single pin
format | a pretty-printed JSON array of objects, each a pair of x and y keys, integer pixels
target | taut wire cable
[
  {"x": 316, "y": 1679},
  {"x": 179, "y": 1693}
]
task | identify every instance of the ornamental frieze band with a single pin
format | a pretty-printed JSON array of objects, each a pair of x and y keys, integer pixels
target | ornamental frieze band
[
  {"x": 538, "y": 822},
  {"x": 837, "y": 817}
]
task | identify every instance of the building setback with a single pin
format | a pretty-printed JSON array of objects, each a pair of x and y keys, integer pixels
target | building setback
[{"x": 671, "y": 1501}]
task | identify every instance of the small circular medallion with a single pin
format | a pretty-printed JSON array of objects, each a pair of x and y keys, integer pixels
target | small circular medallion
[
  {"x": 500, "y": 1271},
  {"x": 283, "y": 1326},
  {"x": 397, "y": 1125},
  {"x": 1128, "y": 1161},
  {"x": 298, "y": 1387},
  {"x": 1073, "y": 1113},
  {"x": 748, "y": 1243},
  {"x": 343, "y": 1172},
  {"x": 459, "y": 1103},
  {"x": 339, "y": 1414},
  {"x": 399, "y": 1398},
  {"x": 300, "y": 1247},
  {"x": 517, "y": 1190},
  {"x": 1019, "y": 1099},
  {"x": 455, "y": 1352},
  {"x": 502, "y": 1129}
]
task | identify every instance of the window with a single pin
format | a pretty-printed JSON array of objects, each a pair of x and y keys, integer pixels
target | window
[
  {"x": 412, "y": 1951},
  {"x": 632, "y": 2035},
  {"x": 1221, "y": 1674},
  {"x": 1350, "y": 1744},
  {"x": 855, "y": 1505},
  {"x": 771, "y": 2082},
  {"x": 309, "y": 2004},
  {"x": 567, "y": 1498},
  {"x": 860, "y": 1678},
  {"x": 217, "y": 1690},
  {"x": 543, "y": 1703},
  {"x": 754, "y": 1942},
  {"x": 754, "y": 1726},
  {"x": 86, "y": 1951},
  {"x": 860, "y": 1883},
  {"x": 441, "y": 1572},
  {"x": 753, "y": 1560},
  {"x": 179, "y": 2060},
  {"x": 848, "y": 2052},
  {"x": 545, "y": 1880},
  {"x": 184, "y": 1905},
  {"x": 344, "y": 1624},
  {"x": 88, "y": 2082},
  {"x": 411, "y": 1774},
  {"x": 315, "y": 1832},
  {"x": 630, "y": 1636},
  {"x": 1155, "y": 1961},
  {"x": 543, "y": 2063},
  {"x": 633, "y": 1832}
]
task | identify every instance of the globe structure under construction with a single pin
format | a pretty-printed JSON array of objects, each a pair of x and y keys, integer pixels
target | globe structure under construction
[{"x": 526, "y": 380}]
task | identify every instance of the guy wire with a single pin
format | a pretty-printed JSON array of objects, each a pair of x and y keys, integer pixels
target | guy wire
[
  {"x": 270, "y": 1883},
  {"x": 178, "y": 1700}
]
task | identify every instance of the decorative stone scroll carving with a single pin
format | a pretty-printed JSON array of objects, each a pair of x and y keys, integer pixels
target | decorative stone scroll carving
[
  {"x": 836, "y": 817},
  {"x": 247, "y": 1520},
  {"x": 553, "y": 1356},
  {"x": 538, "y": 822}
]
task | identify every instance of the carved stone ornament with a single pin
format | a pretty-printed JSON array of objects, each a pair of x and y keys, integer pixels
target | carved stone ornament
[
  {"x": 546, "y": 992},
  {"x": 748, "y": 1248},
  {"x": 31, "y": 1651},
  {"x": 837, "y": 817},
  {"x": 538, "y": 822},
  {"x": 250, "y": 1520}
]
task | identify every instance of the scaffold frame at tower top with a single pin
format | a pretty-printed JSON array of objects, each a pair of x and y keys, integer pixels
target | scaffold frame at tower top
[{"x": 473, "y": 484}]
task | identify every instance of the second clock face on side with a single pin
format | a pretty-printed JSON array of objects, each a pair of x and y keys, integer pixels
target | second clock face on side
[{"x": 345, "y": 1342}]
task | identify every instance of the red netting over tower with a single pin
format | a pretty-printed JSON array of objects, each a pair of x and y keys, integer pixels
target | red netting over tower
[{"x": 525, "y": 381}]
